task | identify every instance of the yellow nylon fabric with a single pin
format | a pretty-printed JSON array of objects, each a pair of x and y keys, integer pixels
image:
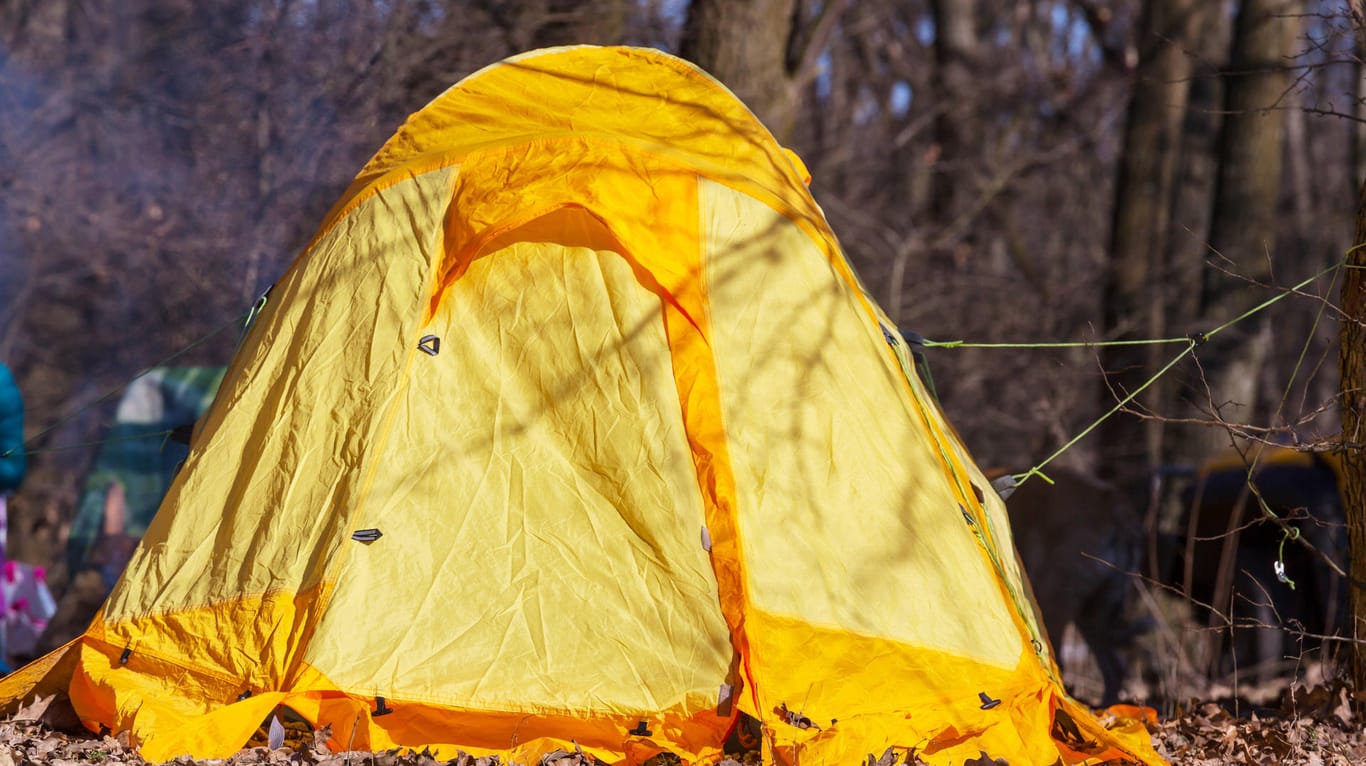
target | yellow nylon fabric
[
  {"x": 267, "y": 493},
  {"x": 663, "y": 447},
  {"x": 559, "y": 511},
  {"x": 802, "y": 367},
  {"x": 651, "y": 102}
]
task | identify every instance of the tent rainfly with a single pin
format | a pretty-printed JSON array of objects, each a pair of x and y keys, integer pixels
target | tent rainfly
[{"x": 574, "y": 427}]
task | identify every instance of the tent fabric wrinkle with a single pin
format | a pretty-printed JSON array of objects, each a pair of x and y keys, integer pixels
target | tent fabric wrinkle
[{"x": 574, "y": 427}]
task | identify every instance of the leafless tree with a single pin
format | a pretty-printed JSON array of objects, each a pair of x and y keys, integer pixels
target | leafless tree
[{"x": 1136, "y": 301}]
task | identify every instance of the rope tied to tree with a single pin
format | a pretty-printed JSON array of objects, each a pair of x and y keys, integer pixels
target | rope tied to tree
[{"x": 1192, "y": 341}]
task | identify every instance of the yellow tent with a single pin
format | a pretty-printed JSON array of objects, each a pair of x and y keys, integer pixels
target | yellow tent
[{"x": 573, "y": 425}]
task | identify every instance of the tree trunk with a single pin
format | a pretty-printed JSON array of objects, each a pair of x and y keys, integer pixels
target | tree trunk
[
  {"x": 1243, "y": 222},
  {"x": 1190, "y": 221},
  {"x": 955, "y": 47},
  {"x": 1358, "y": 145},
  {"x": 1243, "y": 227},
  {"x": 1198, "y": 169},
  {"x": 1352, "y": 362},
  {"x": 744, "y": 44},
  {"x": 1140, "y": 229}
]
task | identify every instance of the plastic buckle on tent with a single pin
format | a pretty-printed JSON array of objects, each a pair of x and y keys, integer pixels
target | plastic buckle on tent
[
  {"x": 1005, "y": 486},
  {"x": 888, "y": 336},
  {"x": 366, "y": 536},
  {"x": 725, "y": 700},
  {"x": 127, "y": 653},
  {"x": 429, "y": 345},
  {"x": 794, "y": 718},
  {"x": 381, "y": 708},
  {"x": 640, "y": 730},
  {"x": 977, "y": 493},
  {"x": 244, "y": 695},
  {"x": 987, "y": 702}
]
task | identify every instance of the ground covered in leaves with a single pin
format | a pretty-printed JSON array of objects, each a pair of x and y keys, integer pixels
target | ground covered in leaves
[{"x": 1308, "y": 727}]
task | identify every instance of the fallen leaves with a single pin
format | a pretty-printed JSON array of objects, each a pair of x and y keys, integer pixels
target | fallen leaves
[
  {"x": 24, "y": 742},
  {"x": 1312, "y": 727}
]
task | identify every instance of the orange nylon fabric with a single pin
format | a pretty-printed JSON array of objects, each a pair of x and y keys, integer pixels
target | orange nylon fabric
[{"x": 571, "y": 427}]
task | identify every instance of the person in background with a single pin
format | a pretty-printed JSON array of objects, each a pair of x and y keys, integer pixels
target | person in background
[
  {"x": 12, "y": 461},
  {"x": 13, "y": 465}
]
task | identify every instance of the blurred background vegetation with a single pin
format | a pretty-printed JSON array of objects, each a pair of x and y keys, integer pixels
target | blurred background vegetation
[{"x": 997, "y": 170}]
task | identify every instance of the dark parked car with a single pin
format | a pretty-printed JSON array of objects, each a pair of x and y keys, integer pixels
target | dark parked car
[{"x": 1238, "y": 559}]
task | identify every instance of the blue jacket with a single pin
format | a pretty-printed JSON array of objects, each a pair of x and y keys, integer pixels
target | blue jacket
[{"x": 12, "y": 468}]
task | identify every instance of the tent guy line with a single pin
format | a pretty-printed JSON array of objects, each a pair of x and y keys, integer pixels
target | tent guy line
[
  {"x": 1193, "y": 341},
  {"x": 1197, "y": 336}
]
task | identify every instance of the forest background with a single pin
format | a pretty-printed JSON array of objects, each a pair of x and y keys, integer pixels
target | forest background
[{"x": 999, "y": 171}]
